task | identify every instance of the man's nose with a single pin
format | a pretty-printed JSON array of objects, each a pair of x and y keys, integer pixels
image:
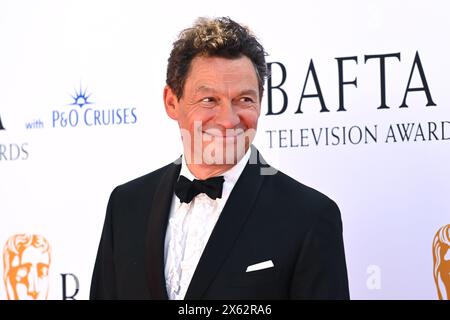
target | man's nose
[{"x": 227, "y": 116}]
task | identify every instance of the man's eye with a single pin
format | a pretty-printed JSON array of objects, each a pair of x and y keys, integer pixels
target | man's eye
[
  {"x": 246, "y": 99},
  {"x": 208, "y": 99}
]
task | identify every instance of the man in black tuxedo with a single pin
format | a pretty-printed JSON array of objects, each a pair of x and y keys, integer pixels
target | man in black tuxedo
[{"x": 219, "y": 223}]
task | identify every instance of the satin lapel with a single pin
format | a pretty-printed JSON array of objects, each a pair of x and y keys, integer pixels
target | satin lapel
[
  {"x": 227, "y": 229},
  {"x": 156, "y": 232}
]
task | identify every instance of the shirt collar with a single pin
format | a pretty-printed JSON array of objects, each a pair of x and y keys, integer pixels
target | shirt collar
[{"x": 232, "y": 175}]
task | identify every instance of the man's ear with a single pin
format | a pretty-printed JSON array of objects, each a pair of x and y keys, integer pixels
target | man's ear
[{"x": 171, "y": 103}]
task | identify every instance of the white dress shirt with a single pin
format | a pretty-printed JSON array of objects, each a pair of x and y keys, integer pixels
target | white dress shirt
[{"x": 189, "y": 228}]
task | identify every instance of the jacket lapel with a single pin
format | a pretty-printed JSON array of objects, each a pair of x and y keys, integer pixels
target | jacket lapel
[
  {"x": 228, "y": 227},
  {"x": 156, "y": 232}
]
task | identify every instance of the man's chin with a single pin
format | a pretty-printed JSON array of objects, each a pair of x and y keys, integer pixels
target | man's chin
[
  {"x": 228, "y": 154},
  {"x": 209, "y": 137},
  {"x": 222, "y": 154}
]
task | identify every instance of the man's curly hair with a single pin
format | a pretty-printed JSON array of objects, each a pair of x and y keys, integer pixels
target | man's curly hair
[{"x": 219, "y": 37}]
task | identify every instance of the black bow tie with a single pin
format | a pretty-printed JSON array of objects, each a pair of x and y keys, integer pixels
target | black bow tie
[{"x": 186, "y": 189}]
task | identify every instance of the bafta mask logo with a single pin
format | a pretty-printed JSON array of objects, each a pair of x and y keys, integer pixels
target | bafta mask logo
[
  {"x": 441, "y": 260},
  {"x": 26, "y": 261}
]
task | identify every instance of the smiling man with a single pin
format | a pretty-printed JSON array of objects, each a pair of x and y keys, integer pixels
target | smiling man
[
  {"x": 219, "y": 223},
  {"x": 217, "y": 113}
]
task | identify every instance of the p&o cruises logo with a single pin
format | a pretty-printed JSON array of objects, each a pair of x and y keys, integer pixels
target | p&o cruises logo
[{"x": 83, "y": 113}]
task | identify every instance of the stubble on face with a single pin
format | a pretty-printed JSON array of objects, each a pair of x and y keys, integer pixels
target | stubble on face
[{"x": 219, "y": 111}]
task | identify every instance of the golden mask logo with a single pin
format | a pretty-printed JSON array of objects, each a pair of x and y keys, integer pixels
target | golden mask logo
[
  {"x": 26, "y": 261},
  {"x": 441, "y": 260}
]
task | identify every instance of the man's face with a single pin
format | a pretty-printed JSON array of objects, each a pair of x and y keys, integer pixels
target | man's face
[
  {"x": 219, "y": 109},
  {"x": 28, "y": 275}
]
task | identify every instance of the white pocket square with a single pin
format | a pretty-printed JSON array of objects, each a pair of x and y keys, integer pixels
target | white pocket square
[{"x": 259, "y": 266}]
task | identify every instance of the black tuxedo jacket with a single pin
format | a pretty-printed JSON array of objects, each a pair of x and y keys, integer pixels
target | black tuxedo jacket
[{"x": 266, "y": 217}]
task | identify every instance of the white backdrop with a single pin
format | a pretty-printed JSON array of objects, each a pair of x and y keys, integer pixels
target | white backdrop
[{"x": 56, "y": 177}]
